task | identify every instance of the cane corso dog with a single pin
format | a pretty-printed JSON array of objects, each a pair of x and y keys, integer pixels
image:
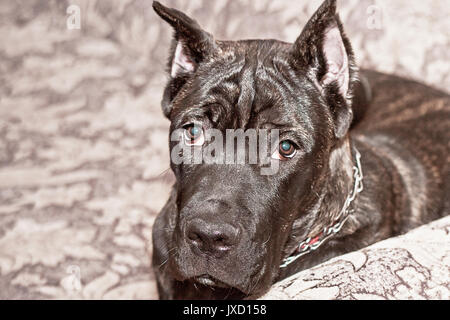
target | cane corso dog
[{"x": 362, "y": 157}]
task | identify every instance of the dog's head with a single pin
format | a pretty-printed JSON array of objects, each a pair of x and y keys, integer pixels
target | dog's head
[{"x": 233, "y": 224}]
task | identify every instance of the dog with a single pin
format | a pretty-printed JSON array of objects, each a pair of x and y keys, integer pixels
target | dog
[{"x": 362, "y": 156}]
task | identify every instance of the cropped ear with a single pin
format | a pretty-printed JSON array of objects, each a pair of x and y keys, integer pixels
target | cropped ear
[
  {"x": 191, "y": 46},
  {"x": 324, "y": 51}
]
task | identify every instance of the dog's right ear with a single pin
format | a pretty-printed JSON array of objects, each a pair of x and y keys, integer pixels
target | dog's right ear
[{"x": 191, "y": 46}]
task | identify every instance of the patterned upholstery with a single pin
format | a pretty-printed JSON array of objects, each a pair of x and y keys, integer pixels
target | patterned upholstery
[
  {"x": 413, "y": 266},
  {"x": 83, "y": 143}
]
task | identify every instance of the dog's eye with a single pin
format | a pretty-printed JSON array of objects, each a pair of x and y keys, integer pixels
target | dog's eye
[
  {"x": 286, "y": 150},
  {"x": 193, "y": 135}
]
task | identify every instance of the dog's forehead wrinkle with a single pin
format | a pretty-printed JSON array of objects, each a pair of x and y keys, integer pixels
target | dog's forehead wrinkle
[
  {"x": 247, "y": 80},
  {"x": 246, "y": 92},
  {"x": 251, "y": 57},
  {"x": 215, "y": 72}
]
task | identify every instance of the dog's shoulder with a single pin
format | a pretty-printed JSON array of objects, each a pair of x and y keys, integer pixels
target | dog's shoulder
[{"x": 407, "y": 126}]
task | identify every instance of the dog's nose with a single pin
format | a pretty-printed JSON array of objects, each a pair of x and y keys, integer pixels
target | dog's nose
[{"x": 215, "y": 239}]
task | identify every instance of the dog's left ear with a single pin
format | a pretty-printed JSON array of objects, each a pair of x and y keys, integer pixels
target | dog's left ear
[
  {"x": 324, "y": 51},
  {"x": 190, "y": 47}
]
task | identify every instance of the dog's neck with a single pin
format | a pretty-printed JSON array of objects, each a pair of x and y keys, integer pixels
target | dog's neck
[
  {"x": 336, "y": 188},
  {"x": 333, "y": 205},
  {"x": 329, "y": 197}
]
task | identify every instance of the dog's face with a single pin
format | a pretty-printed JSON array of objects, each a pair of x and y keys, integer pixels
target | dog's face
[{"x": 232, "y": 222}]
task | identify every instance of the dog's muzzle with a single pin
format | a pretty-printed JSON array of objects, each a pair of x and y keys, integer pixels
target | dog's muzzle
[{"x": 213, "y": 239}]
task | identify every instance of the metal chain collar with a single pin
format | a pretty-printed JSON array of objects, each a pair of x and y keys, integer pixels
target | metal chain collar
[{"x": 312, "y": 244}]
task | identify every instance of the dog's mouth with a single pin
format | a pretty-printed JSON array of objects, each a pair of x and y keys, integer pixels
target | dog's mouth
[
  {"x": 217, "y": 289},
  {"x": 207, "y": 280}
]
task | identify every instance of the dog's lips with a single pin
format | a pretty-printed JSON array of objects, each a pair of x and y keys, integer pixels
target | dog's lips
[
  {"x": 207, "y": 280},
  {"x": 220, "y": 288},
  {"x": 204, "y": 279}
]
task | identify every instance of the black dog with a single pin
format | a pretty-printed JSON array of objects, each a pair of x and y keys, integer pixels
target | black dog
[{"x": 230, "y": 232}]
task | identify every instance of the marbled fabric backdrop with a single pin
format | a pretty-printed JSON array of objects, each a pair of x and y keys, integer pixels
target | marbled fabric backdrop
[{"x": 83, "y": 144}]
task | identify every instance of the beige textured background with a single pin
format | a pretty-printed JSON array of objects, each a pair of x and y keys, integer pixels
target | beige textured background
[{"x": 83, "y": 152}]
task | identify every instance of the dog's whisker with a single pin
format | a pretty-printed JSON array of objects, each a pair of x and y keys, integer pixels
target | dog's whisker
[
  {"x": 256, "y": 284},
  {"x": 170, "y": 252},
  {"x": 163, "y": 172},
  {"x": 163, "y": 263},
  {"x": 228, "y": 293},
  {"x": 270, "y": 235}
]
